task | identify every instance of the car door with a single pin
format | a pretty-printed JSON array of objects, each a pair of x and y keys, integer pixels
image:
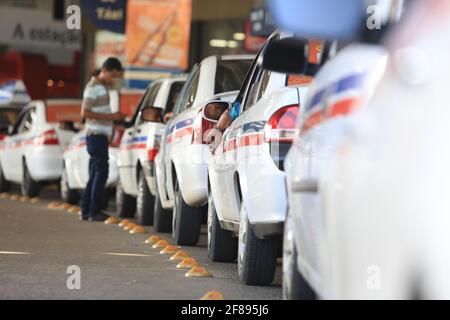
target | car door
[
  {"x": 225, "y": 161},
  {"x": 80, "y": 160},
  {"x": 179, "y": 133},
  {"x": 16, "y": 143},
  {"x": 125, "y": 154}
]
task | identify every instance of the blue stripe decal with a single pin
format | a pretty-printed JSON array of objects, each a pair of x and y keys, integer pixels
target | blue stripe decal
[
  {"x": 254, "y": 126},
  {"x": 136, "y": 139},
  {"x": 184, "y": 123},
  {"x": 180, "y": 125},
  {"x": 351, "y": 82}
]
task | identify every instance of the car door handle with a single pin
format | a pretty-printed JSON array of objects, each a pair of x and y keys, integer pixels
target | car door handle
[
  {"x": 138, "y": 130},
  {"x": 305, "y": 186}
]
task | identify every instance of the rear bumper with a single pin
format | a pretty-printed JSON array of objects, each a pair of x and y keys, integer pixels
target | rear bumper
[
  {"x": 45, "y": 164},
  {"x": 191, "y": 163},
  {"x": 264, "y": 194},
  {"x": 267, "y": 230}
]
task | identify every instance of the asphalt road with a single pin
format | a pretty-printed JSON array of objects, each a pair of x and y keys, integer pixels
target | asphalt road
[{"x": 38, "y": 244}]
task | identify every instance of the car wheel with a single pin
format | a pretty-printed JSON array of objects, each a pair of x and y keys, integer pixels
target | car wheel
[
  {"x": 144, "y": 202},
  {"x": 222, "y": 244},
  {"x": 162, "y": 218},
  {"x": 294, "y": 285},
  {"x": 125, "y": 204},
  {"x": 68, "y": 195},
  {"x": 186, "y": 221},
  {"x": 257, "y": 258},
  {"x": 5, "y": 186},
  {"x": 29, "y": 187}
]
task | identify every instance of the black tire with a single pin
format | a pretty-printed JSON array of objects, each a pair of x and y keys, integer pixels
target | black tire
[
  {"x": 5, "y": 186},
  {"x": 258, "y": 262},
  {"x": 68, "y": 195},
  {"x": 300, "y": 289},
  {"x": 295, "y": 286},
  {"x": 29, "y": 187},
  {"x": 162, "y": 220},
  {"x": 144, "y": 202},
  {"x": 125, "y": 204},
  {"x": 187, "y": 221},
  {"x": 222, "y": 244}
]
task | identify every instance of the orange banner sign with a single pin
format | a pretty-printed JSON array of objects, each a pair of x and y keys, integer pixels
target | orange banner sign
[{"x": 157, "y": 33}]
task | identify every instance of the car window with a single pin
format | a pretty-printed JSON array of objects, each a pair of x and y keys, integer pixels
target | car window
[
  {"x": 190, "y": 92},
  {"x": 263, "y": 84},
  {"x": 27, "y": 121},
  {"x": 253, "y": 89},
  {"x": 174, "y": 93},
  {"x": 230, "y": 74},
  {"x": 148, "y": 100}
]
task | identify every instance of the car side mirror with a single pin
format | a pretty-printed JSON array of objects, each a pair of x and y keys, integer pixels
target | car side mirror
[
  {"x": 151, "y": 114},
  {"x": 214, "y": 110},
  {"x": 289, "y": 55}
]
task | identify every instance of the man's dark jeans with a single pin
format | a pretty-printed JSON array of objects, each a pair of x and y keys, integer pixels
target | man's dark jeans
[{"x": 97, "y": 147}]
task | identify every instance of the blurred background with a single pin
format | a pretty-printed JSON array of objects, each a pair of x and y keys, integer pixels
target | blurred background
[{"x": 41, "y": 58}]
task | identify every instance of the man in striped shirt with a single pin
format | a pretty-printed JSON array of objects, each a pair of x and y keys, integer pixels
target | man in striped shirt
[{"x": 99, "y": 127}]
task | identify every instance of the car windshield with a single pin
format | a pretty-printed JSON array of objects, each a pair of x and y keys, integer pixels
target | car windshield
[{"x": 230, "y": 74}]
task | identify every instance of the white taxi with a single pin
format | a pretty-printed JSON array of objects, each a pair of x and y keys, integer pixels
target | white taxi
[
  {"x": 386, "y": 195},
  {"x": 247, "y": 199},
  {"x": 136, "y": 187},
  {"x": 182, "y": 179},
  {"x": 343, "y": 84},
  {"x": 32, "y": 153},
  {"x": 75, "y": 174}
]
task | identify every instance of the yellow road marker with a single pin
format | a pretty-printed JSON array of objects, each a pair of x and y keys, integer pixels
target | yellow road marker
[
  {"x": 179, "y": 255},
  {"x": 14, "y": 197},
  {"x": 170, "y": 249},
  {"x": 74, "y": 209},
  {"x": 65, "y": 206},
  {"x": 112, "y": 220},
  {"x": 24, "y": 198},
  {"x": 160, "y": 244},
  {"x": 152, "y": 239},
  {"x": 198, "y": 272},
  {"x": 35, "y": 200},
  {"x": 124, "y": 223},
  {"x": 138, "y": 229},
  {"x": 213, "y": 295},
  {"x": 54, "y": 205},
  {"x": 4, "y": 195},
  {"x": 187, "y": 263},
  {"x": 130, "y": 226}
]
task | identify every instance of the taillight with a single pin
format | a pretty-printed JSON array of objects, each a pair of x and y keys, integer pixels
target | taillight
[
  {"x": 200, "y": 130},
  {"x": 281, "y": 125},
  {"x": 280, "y": 131},
  {"x": 49, "y": 137},
  {"x": 152, "y": 154},
  {"x": 117, "y": 137}
]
